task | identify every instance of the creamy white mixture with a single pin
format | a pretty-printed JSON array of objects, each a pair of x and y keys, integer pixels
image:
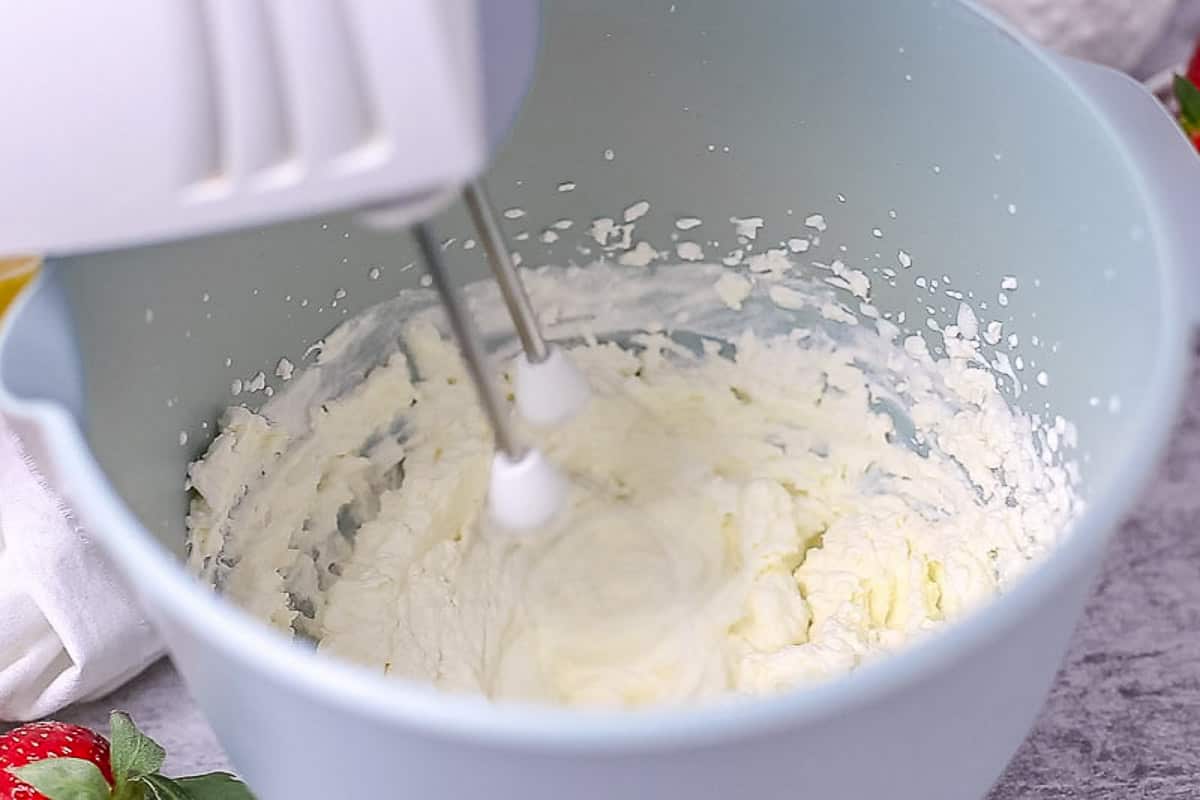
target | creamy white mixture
[{"x": 769, "y": 490}]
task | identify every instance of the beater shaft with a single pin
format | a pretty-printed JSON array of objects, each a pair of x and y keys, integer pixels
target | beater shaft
[
  {"x": 469, "y": 342},
  {"x": 483, "y": 213}
]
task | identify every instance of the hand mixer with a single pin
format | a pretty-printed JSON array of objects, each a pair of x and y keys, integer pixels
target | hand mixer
[{"x": 149, "y": 120}]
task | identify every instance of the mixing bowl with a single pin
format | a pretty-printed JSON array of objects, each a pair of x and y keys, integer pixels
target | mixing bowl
[{"x": 921, "y": 130}]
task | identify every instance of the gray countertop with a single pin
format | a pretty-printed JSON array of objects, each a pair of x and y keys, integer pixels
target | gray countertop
[{"x": 1123, "y": 719}]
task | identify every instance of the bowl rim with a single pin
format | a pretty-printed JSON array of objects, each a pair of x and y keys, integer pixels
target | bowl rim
[{"x": 171, "y": 592}]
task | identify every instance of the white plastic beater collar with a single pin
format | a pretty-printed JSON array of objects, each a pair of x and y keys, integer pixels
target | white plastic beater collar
[
  {"x": 525, "y": 493},
  {"x": 550, "y": 391}
]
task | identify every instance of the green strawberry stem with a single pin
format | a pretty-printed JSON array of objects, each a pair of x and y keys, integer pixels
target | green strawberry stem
[
  {"x": 1188, "y": 95},
  {"x": 134, "y": 754}
]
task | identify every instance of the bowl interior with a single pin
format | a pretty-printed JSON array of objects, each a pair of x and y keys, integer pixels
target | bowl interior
[{"x": 917, "y": 130}]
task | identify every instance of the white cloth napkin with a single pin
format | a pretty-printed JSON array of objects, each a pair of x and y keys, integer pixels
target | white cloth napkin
[{"x": 69, "y": 629}]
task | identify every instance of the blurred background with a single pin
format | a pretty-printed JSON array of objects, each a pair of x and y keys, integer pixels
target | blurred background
[{"x": 1142, "y": 37}]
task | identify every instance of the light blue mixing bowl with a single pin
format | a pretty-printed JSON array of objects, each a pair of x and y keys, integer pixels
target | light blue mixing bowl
[{"x": 998, "y": 160}]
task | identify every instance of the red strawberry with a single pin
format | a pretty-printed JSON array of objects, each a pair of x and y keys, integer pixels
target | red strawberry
[
  {"x": 41, "y": 740},
  {"x": 56, "y": 761},
  {"x": 1193, "y": 70}
]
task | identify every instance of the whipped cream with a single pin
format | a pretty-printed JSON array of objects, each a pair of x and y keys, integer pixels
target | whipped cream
[{"x": 766, "y": 496}]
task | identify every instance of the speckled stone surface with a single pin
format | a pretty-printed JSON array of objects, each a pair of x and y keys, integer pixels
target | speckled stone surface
[{"x": 1123, "y": 719}]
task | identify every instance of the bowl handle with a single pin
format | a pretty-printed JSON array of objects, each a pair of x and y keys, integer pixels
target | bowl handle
[
  {"x": 39, "y": 358},
  {"x": 1169, "y": 166},
  {"x": 41, "y": 375}
]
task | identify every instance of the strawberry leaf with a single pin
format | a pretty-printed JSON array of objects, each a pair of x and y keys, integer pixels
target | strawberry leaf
[
  {"x": 64, "y": 779},
  {"x": 160, "y": 787},
  {"x": 134, "y": 754},
  {"x": 1188, "y": 95},
  {"x": 215, "y": 786},
  {"x": 211, "y": 786}
]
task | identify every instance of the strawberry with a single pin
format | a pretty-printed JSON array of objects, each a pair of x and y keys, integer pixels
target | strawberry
[
  {"x": 1193, "y": 70},
  {"x": 1187, "y": 92},
  {"x": 42, "y": 740},
  {"x": 56, "y": 761}
]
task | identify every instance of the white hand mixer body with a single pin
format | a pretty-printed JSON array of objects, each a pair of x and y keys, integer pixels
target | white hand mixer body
[{"x": 151, "y": 121}]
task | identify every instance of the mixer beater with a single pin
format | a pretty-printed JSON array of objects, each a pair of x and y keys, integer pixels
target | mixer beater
[{"x": 525, "y": 489}]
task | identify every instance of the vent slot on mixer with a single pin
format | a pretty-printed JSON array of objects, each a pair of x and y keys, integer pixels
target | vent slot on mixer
[{"x": 287, "y": 94}]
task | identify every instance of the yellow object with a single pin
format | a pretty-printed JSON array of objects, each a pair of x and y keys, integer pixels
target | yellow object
[{"x": 14, "y": 274}]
